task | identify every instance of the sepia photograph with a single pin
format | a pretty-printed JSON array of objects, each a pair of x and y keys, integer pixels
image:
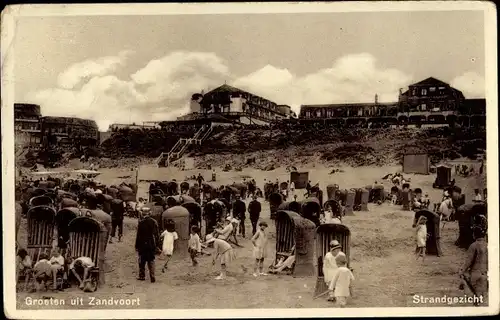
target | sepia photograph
[{"x": 250, "y": 160}]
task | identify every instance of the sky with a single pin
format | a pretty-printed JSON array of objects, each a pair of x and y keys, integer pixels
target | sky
[{"x": 124, "y": 69}]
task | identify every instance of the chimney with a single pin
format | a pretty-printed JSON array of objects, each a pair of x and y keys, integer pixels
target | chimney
[
  {"x": 400, "y": 91},
  {"x": 376, "y": 98}
]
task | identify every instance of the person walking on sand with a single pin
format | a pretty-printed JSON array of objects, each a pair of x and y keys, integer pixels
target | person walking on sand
[
  {"x": 200, "y": 180},
  {"x": 254, "y": 209},
  {"x": 117, "y": 214},
  {"x": 169, "y": 236},
  {"x": 223, "y": 252},
  {"x": 341, "y": 283},
  {"x": 146, "y": 244},
  {"x": 330, "y": 264},
  {"x": 259, "y": 241}
]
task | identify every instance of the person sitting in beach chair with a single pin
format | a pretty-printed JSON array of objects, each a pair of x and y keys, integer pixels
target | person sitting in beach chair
[
  {"x": 24, "y": 267},
  {"x": 80, "y": 268},
  {"x": 226, "y": 230},
  {"x": 286, "y": 261},
  {"x": 42, "y": 272},
  {"x": 231, "y": 237},
  {"x": 417, "y": 203},
  {"x": 57, "y": 267},
  {"x": 426, "y": 202}
]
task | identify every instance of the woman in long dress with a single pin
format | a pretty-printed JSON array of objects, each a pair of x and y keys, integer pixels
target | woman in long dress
[{"x": 330, "y": 264}]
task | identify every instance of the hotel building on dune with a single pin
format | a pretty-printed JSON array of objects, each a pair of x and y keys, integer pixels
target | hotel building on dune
[{"x": 428, "y": 102}]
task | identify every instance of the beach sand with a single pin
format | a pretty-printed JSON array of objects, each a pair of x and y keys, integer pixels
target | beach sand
[{"x": 386, "y": 272}]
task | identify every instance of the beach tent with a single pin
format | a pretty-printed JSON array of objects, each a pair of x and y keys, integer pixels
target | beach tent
[{"x": 416, "y": 163}]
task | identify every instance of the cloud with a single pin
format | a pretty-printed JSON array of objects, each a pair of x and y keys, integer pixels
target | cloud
[
  {"x": 105, "y": 99},
  {"x": 179, "y": 73},
  {"x": 162, "y": 88},
  {"x": 471, "y": 84},
  {"x": 81, "y": 71},
  {"x": 352, "y": 78}
]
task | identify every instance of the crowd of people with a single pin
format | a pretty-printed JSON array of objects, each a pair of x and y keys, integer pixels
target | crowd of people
[{"x": 151, "y": 241}]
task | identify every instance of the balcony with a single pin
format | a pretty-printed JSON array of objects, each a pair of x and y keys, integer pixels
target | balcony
[
  {"x": 427, "y": 113},
  {"x": 26, "y": 120}
]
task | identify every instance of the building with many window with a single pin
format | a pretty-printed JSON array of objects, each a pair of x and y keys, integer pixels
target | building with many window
[
  {"x": 133, "y": 126},
  {"x": 27, "y": 123},
  {"x": 68, "y": 131},
  {"x": 428, "y": 102},
  {"x": 430, "y": 95},
  {"x": 236, "y": 105}
]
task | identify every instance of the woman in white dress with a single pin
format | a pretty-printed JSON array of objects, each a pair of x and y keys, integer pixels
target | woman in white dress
[{"x": 330, "y": 264}]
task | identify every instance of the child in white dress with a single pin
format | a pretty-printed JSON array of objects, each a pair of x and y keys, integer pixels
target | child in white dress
[
  {"x": 259, "y": 240},
  {"x": 421, "y": 237},
  {"x": 341, "y": 283},
  {"x": 169, "y": 236}
]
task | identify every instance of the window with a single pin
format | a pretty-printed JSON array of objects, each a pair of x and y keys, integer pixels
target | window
[
  {"x": 424, "y": 92},
  {"x": 423, "y": 107},
  {"x": 414, "y": 92},
  {"x": 432, "y": 89}
]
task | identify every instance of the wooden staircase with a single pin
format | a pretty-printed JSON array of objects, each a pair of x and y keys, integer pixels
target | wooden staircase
[{"x": 183, "y": 145}]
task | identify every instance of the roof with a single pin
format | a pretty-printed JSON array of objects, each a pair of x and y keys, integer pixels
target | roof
[
  {"x": 431, "y": 81},
  {"x": 225, "y": 88},
  {"x": 69, "y": 120},
  {"x": 346, "y": 105}
]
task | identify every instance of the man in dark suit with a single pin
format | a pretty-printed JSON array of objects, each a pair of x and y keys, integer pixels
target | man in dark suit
[
  {"x": 254, "y": 209},
  {"x": 118, "y": 211},
  {"x": 239, "y": 212},
  {"x": 147, "y": 242}
]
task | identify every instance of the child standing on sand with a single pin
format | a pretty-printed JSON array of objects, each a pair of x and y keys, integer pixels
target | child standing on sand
[
  {"x": 341, "y": 285},
  {"x": 169, "y": 236},
  {"x": 421, "y": 237},
  {"x": 259, "y": 240},
  {"x": 194, "y": 244}
]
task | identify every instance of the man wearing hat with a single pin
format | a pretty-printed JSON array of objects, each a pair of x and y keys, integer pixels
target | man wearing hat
[
  {"x": 330, "y": 264},
  {"x": 147, "y": 242}
]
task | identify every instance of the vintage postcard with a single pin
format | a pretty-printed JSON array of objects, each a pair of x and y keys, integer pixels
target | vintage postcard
[{"x": 250, "y": 160}]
